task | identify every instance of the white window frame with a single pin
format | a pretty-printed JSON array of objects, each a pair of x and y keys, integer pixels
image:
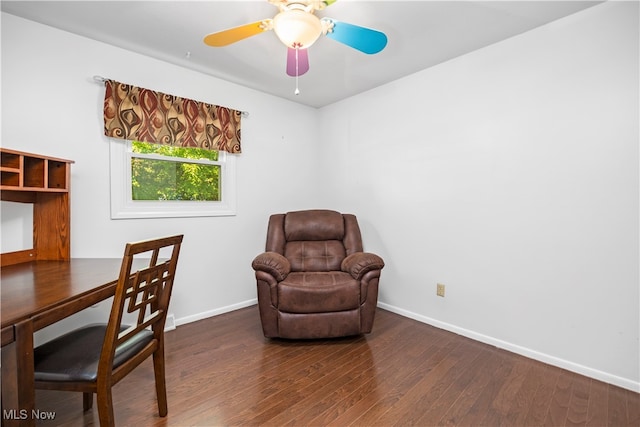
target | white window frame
[{"x": 124, "y": 207}]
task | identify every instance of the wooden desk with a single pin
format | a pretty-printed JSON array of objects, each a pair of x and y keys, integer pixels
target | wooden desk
[{"x": 34, "y": 295}]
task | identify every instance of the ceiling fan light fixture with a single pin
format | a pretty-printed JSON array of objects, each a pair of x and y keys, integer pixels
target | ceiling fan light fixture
[{"x": 297, "y": 28}]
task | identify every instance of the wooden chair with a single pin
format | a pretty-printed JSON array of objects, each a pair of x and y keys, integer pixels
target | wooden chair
[{"x": 94, "y": 358}]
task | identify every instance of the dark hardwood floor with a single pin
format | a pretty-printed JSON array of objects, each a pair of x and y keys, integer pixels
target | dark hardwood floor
[{"x": 221, "y": 371}]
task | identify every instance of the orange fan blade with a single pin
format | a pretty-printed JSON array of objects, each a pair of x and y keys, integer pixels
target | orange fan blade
[{"x": 232, "y": 35}]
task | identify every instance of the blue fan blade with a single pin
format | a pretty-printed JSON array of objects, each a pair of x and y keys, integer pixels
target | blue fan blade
[
  {"x": 360, "y": 38},
  {"x": 299, "y": 67}
]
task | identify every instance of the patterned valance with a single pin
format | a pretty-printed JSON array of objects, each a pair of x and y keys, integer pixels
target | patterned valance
[{"x": 140, "y": 114}]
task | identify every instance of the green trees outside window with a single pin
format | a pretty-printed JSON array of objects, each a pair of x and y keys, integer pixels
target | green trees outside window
[{"x": 163, "y": 172}]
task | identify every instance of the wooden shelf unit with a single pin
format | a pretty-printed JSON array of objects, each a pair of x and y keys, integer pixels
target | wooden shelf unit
[{"x": 44, "y": 182}]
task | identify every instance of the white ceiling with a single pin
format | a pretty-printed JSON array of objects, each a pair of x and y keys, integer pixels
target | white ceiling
[{"x": 420, "y": 34}]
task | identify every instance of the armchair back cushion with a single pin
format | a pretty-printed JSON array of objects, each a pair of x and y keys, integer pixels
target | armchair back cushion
[{"x": 314, "y": 240}]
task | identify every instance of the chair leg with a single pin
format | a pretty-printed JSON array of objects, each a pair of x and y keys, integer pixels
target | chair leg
[
  {"x": 159, "y": 372},
  {"x": 87, "y": 401},
  {"x": 105, "y": 407}
]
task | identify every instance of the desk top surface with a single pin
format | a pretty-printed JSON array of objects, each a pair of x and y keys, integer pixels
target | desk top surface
[{"x": 33, "y": 287}]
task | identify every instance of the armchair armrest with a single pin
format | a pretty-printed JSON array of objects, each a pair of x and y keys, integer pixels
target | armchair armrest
[
  {"x": 360, "y": 263},
  {"x": 272, "y": 263}
]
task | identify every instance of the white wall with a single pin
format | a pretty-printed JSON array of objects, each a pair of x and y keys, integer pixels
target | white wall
[
  {"x": 17, "y": 226},
  {"x": 48, "y": 73},
  {"x": 511, "y": 176}
]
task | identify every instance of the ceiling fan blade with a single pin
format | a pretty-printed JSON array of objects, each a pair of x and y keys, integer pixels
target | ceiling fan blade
[
  {"x": 301, "y": 65},
  {"x": 232, "y": 35},
  {"x": 363, "y": 39}
]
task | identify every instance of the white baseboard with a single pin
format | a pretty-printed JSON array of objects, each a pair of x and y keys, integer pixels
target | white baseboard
[
  {"x": 214, "y": 312},
  {"x": 523, "y": 351}
]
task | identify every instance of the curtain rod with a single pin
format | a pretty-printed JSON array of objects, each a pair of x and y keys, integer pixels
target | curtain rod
[{"x": 101, "y": 79}]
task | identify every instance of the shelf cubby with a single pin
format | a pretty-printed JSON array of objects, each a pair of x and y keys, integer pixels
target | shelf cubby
[
  {"x": 57, "y": 174},
  {"x": 33, "y": 173}
]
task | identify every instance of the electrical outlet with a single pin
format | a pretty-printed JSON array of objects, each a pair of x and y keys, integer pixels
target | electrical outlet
[{"x": 440, "y": 290}]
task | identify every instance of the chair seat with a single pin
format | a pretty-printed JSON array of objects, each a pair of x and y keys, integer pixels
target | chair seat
[
  {"x": 318, "y": 292},
  {"x": 75, "y": 356}
]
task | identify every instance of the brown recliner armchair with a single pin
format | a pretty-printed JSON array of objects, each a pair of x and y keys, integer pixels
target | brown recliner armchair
[{"x": 314, "y": 280}]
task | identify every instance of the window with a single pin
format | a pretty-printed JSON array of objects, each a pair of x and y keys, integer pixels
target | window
[{"x": 155, "y": 181}]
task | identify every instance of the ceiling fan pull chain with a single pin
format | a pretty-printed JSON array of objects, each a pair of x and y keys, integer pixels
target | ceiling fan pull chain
[{"x": 297, "y": 91}]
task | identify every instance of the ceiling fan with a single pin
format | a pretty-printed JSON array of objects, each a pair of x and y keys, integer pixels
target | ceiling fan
[{"x": 297, "y": 26}]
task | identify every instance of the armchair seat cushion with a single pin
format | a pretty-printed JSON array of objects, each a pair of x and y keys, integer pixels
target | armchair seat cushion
[{"x": 318, "y": 292}]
